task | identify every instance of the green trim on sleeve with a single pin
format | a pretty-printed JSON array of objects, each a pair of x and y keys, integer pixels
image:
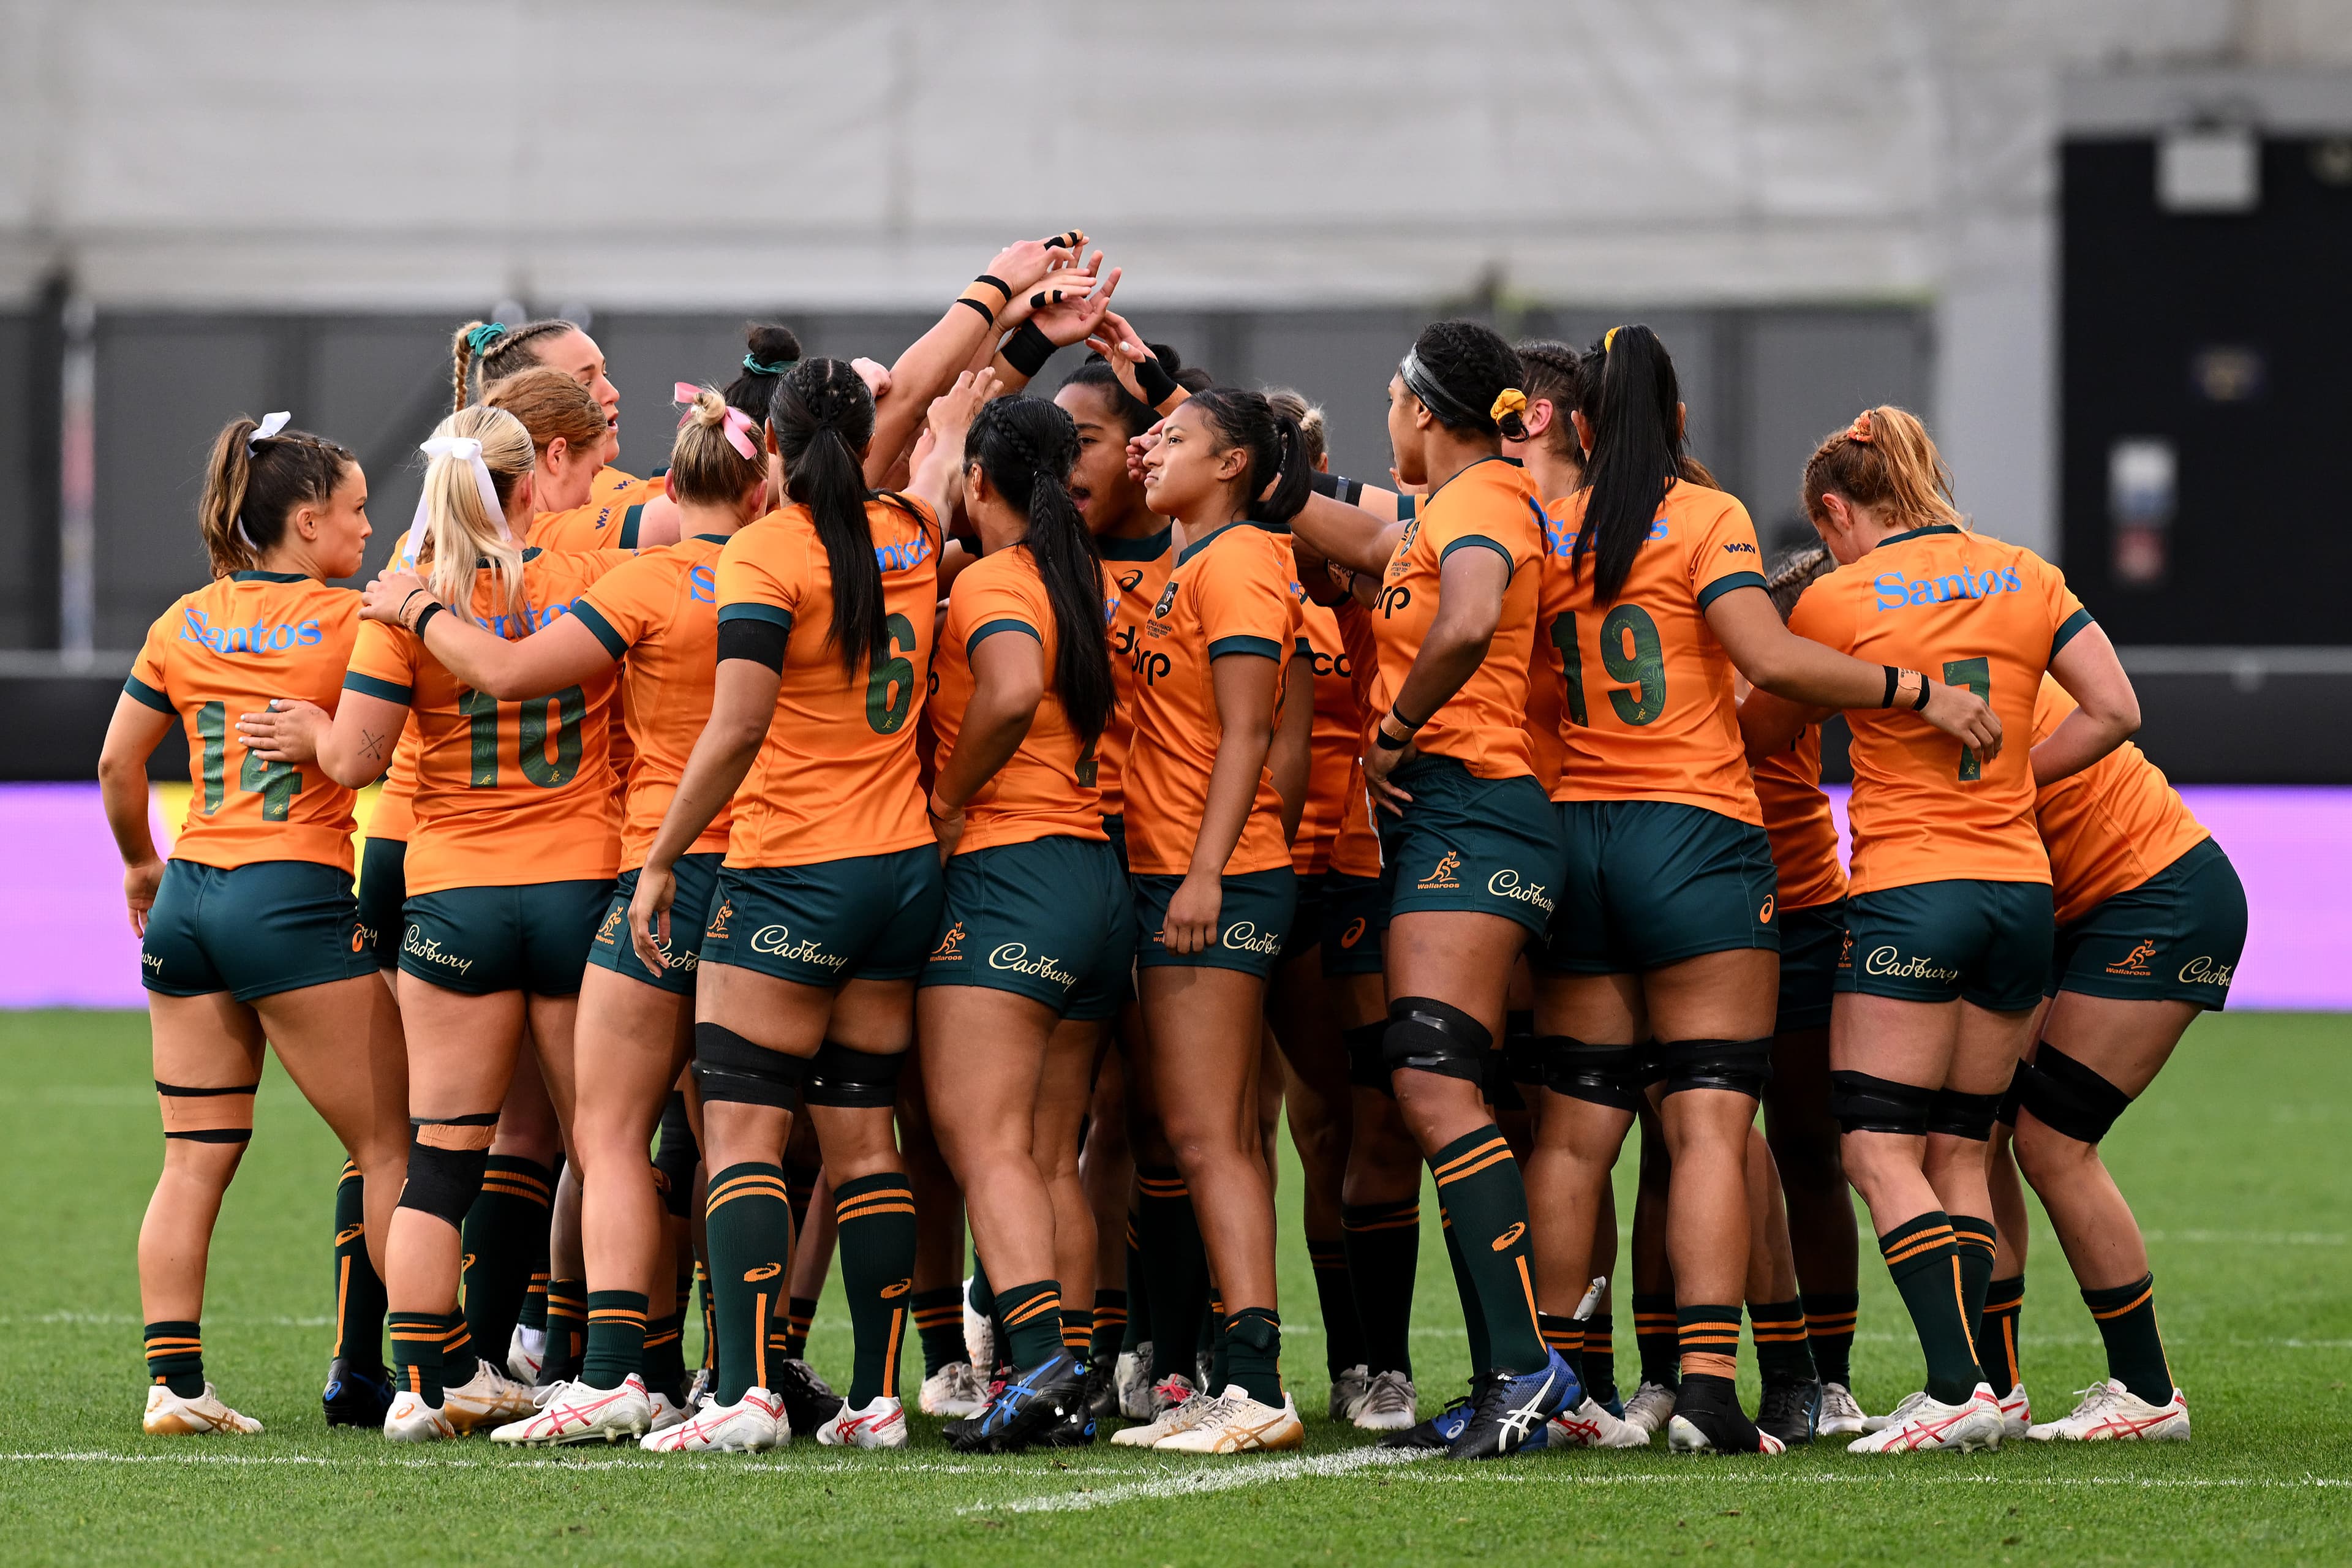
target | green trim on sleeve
[
  {"x": 2067, "y": 632},
  {"x": 1304, "y": 649},
  {"x": 775, "y": 614},
  {"x": 1263, "y": 647},
  {"x": 629, "y": 521},
  {"x": 987, "y": 629},
  {"x": 1495, "y": 545},
  {"x": 376, "y": 686},
  {"x": 139, "y": 690},
  {"x": 1726, "y": 583},
  {"x": 588, "y": 616}
]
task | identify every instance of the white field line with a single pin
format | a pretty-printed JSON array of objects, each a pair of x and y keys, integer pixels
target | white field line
[
  {"x": 1903, "y": 1473},
  {"x": 1249, "y": 1473}
]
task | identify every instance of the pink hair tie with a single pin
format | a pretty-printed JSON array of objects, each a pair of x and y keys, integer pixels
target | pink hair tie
[{"x": 736, "y": 426}]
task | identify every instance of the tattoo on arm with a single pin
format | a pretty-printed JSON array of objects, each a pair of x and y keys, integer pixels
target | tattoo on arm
[{"x": 371, "y": 745}]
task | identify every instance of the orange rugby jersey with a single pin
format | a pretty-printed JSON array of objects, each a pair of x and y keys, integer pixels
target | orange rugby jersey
[
  {"x": 393, "y": 819},
  {"x": 1969, "y": 611},
  {"x": 1356, "y": 851},
  {"x": 1139, "y": 570},
  {"x": 1798, "y": 820},
  {"x": 2109, "y": 827},
  {"x": 1046, "y": 789},
  {"x": 1490, "y": 505},
  {"x": 225, "y": 650},
  {"x": 508, "y": 794},
  {"x": 1647, "y": 707},
  {"x": 1546, "y": 713},
  {"x": 1337, "y": 742},
  {"x": 1228, "y": 594},
  {"x": 661, "y": 610},
  {"x": 606, "y": 521},
  {"x": 836, "y": 775}
]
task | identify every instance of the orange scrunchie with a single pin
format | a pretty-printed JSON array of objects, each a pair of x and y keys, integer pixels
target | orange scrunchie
[{"x": 1860, "y": 429}]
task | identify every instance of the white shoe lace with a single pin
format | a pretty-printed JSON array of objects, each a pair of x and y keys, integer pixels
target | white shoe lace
[
  {"x": 2095, "y": 1401},
  {"x": 1388, "y": 1393}
]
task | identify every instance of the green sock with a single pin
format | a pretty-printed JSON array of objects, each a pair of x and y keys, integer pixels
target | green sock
[
  {"x": 2126, "y": 1319},
  {"x": 1253, "y": 1353},
  {"x": 1996, "y": 1332},
  {"x": 750, "y": 1229},
  {"x": 1217, "y": 1331},
  {"x": 1384, "y": 1244},
  {"x": 567, "y": 1329},
  {"x": 709, "y": 1315},
  {"x": 1078, "y": 1332},
  {"x": 939, "y": 1324},
  {"x": 800, "y": 1311},
  {"x": 1110, "y": 1326},
  {"x": 1343, "y": 1340},
  {"x": 1925, "y": 1263},
  {"x": 1466, "y": 1291},
  {"x": 1829, "y": 1333},
  {"x": 534, "y": 1315},
  {"x": 1479, "y": 1183},
  {"x": 506, "y": 1243},
  {"x": 1564, "y": 1337},
  {"x": 176, "y": 1358},
  {"x": 876, "y": 1215},
  {"x": 1778, "y": 1330},
  {"x": 665, "y": 1356},
  {"x": 1175, "y": 1269},
  {"x": 1974, "y": 1238},
  {"x": 616, "y": 1338},
  {"x": 459, "y": 1362},
  {"x": 416, "y": 1339},
  {"x": 1139, "y": 1294},
  {"x": 1656, "y": 1335},
  {"x": 1600, "y": 1358},
  {"x": 1702, "y": 1333},
  {"x": 1033, "y": 1322},
  {"x": 359, "y": 1290}
]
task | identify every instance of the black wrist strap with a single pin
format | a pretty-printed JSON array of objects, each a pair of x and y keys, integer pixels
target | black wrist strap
[
  {"x": 1324, "y": 484},
  {"x": 1381, "y": 739},
  {"x": 1158, "y": 385},
  {"x": 426, "y": 615},
  {"x": 1921, "y": 706},
  {"x": 1893, "y": 679},
  {"x": 1027, "y": 350},
  {"x": 998, "y": 284},
  {"x": 985, "y": 313},
  {"x": 1397, "y": 713}
]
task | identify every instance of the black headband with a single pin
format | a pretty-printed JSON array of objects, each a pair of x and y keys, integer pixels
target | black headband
[{"x": 1448, "y": 408}]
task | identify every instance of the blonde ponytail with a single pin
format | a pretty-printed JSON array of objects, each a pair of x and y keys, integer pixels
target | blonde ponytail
[
  {"x": 1884, "y": 459},
  {"x": 460, "y": 531}
]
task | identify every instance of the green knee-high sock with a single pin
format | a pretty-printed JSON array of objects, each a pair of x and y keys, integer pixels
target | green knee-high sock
[
  {"x": 1175, "y": 1269},
  {"x": 1829, "y": 1333},
  {"x": 175, "y": 1357},
  {"x": 457, "y": 1358},
  {"x": 567, "y": 1329},
  {"x": 1033, "y": 1321},
  {"x": 1078, "y": 1332},
  {"x": 416, "y": 1339},
  {"x": 1657, "y": 1335},
  {"x": 1478, "y": 1182},
  {"x": 1209, "y": 1346},
  {"x": 1139, "y": 1293},
  {"x": 939, "y": 1324},
  {"x": 1343, "y": 1339},
  {"x": 1253, "y": 1354},
  {"x": 1782, "y": 1353},
  {"x": 1564, "y": 1337},
  {"x": 359, "y": 1290},
  {"x": 800, "y": 1312},
  {"x": 710, "y": 1313},
  {"x": 876, "y": 1215},
  {"x": 1925, "y": 1264},
  {"x": 1110, "y": 1326},
  {"x": 1601, "y": 1358},
  {"x": 1974, "y": 1238},
  {"x": 506, "y": 1244},
  {"x": 749, "y": 1226},
  {"x": 2126, "y": 1319},
  {"x": 1996, "y": 1332},
  {"x": 1384, "y": 1244},
  {"x": 1465, "y": 1290},
  {"x": 616, "y": 1338},
  {"x": 665, "y": 1356}
]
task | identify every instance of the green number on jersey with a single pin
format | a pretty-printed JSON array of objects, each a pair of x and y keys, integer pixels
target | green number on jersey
[
  {"x": 1571, "y": 658},
  {"x": 890, "y": 690},
  {"x": 277, "y": 783},
  {"x": 481, "y": 711},
  {"x": 1646, "y": 668},
  {"x": 211, "y": 729},
  {"x": 568, "y": 705},
  {"x": 1975, "y": 674}
]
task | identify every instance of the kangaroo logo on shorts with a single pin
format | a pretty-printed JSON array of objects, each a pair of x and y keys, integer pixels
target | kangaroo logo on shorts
[
  {"x": 1167, "y": 601},
  {"x": 951, "y": 948},
  {"x": 1502, "y": 1242},
  {"x": 717, "y": 930},
  {"x": 765, "y": 1271},
  {"x": 1354, "y": 933},
  {"x": 1845, "y": 952},
  {"x": 612, "y": 919},
  {"x": 1442, "y": 874},
  {"x": 2136, "y": 960}
]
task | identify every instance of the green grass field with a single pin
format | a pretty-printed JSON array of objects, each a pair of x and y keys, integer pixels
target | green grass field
[{"x": 2234, "y": 1161}]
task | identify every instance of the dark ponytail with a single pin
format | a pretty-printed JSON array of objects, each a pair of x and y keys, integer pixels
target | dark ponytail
[
  {"x": 823, "y": 417},
  {"x": 1026, "y": 449},
  {"x": 769, "y": 352},
  {"x": 1276, "y": 448},
  {"x": 251, "y": 487},
  {"x": 1631, "y": 402}
]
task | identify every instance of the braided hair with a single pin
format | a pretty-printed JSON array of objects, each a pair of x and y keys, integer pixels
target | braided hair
[
  {"x": 1026, "y": 448},
  {"x": 823, "y": 417},
  {"x": 1463, "y": 374},
  {"x": 485, "y": 351},
  {"x": 1555, "y": 373}
]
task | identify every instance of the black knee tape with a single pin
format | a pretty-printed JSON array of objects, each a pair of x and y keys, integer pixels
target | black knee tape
[
  {"x": 729, "y": 1067},
  {"x": 1649, "y": 1065},
  {"x": 1600, "y": 1075},
  {"x": 2067, "y": 1097},
  {"x": 1367, "y": 1067},
  {"x": 1957, "y": 1115},
  {"x": 1865, "y": 1104},
  {"x": 2007, "y": 1114},
  {"x": 1500, "y": 1092},
  {"x": 446, "y": 1157},
  {"x": 854, "y": 1080},
  {"x": 1742, "y": 1066},
  {"x": 1522, "y": 1054},
  {"x": 1428, "y": 1036},
  {"x": 675, "y": 1156}
]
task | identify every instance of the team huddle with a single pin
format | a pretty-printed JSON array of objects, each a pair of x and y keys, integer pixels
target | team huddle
[{"x": 925, "y": 803}]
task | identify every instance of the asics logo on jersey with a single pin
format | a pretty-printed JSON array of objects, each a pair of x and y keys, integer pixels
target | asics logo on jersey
[
  {"x": 1894, "y": 590},
  {"x": 903, "y": 557},
  {"x": 1442, "y": 874},
  {"x": 1244, "y": 937},
  {"x": 1887, "y": 961},
  {"x": 951, "y": 948},
  {"x": 2135, "y": 962},
  {"x": 1014, "y": 957},
  {"x": 417, "y": 944},
  {"x": 2202, "y": 970},
  {"x": 777, "y": 941},
  {"x": 195, "y": 627},
  {"x": 1129, "y": 581},
  {"x": 765, "y": 1271},
  {"x": 1506, "y": 884},
  {"x": 1502, "y": 1242},
  {"x": 702, "y": 584}
]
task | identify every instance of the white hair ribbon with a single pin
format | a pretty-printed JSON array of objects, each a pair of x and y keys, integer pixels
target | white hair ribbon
[
  {"x": 469, "y": 450},
  {"x": 269, "y": 427}
]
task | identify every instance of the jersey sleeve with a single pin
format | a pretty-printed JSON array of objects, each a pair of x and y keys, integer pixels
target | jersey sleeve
[
  {"x": 1724, "y": 556},
  {"x": 2067, "y": 616},
  {"x": 383, "y": 663},
  {"x": 981, "y": 605},
  {"x": 627, "y": 603},
  {"x": 758, "y": 582},
  {"x": 1447, "y": 529},
  {"x": 1245, "y": 606},
  {"x": 148, "y": 683},
  {"x": 1816, "y": 616}
]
